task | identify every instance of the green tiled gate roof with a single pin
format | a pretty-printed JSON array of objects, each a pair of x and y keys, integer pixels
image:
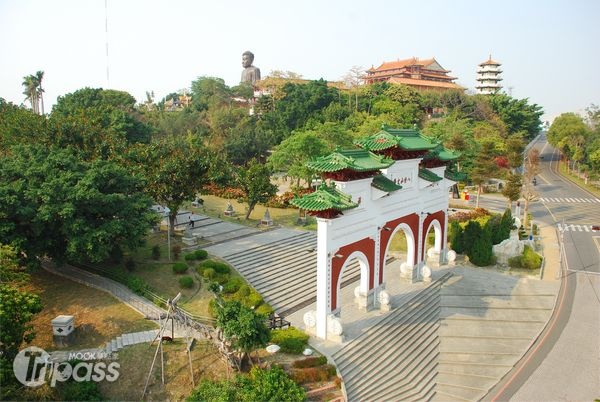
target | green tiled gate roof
[
  {"x": 358, "y": 160},
  {"x": 326, "y": 197}
]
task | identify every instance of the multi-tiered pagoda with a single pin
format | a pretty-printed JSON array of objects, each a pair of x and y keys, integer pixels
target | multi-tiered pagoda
[{"x": 488, "y": 77}]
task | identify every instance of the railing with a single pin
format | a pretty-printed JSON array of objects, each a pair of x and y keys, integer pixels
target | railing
[{"x": 143, "y": 291}]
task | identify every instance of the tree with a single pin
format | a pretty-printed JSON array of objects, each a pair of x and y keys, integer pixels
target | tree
[
  {"x": 55, "y": 204},
  {"x": 352, "y": 80},
  {"x": 17, "y": 307},
  {"x": 255, "y": 181},
  {"x": 455, "y": 237},
  {"x": 210, "y": 92},
  {"x": 532, "y": 169},
  {"x": 19, "y": 125},
  {"x": 568, "y": 133},
  {"x": 174, "y": 169},
  {"x": 512, "y": 188},
  {"x": 514, "y": 150},
  {"x": 517, "y": 114},
  {"x": 31, "y": 93},
  {"x": 242, "y": 327},
  {"x": 292, "y": 154},
  {"x": 484, "y": 166},
  {"x": 109, "y": 113},
  {"x": 480, "y": 251}
]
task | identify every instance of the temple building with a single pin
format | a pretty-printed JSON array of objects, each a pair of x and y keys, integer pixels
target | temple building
[
  {"x": 425, "y": 74},
  {"x": 488, "y": 76}
]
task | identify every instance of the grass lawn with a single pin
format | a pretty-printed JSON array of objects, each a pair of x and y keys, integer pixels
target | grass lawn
[
  {"x": 135, "y": 362},
  {"x": 580, "y": 182},
  {"x": 99, "y": 317}
]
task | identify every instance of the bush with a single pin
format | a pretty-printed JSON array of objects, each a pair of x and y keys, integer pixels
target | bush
[
  {"x": 222, "y": 279},
  {"x": 455, "y": 237},
  {"x": 189, "y": 257},
  {"x": 186, "y": 282},
  {"x": 137, "y": 285},
  {"x": 201, "y": 254},
  {"x": 290, "y": 340},
  {"x": 219, "y": 267},
  {"x": 179, "y": 268},
  {"x": 232, "y": 285},
  {"x": 253, "y": 300},
  {"x": 313, "y": 374},
  {"x": 528, "y": 260},
  {"x": 155, "y": 252},
  {"x": 310, "y": 362},
  {"x": 264, "y": 309},
  {"x": 81, "y": 391},
  {"x": 243, "y": 291},
  {"x": 208, "y": 273}
]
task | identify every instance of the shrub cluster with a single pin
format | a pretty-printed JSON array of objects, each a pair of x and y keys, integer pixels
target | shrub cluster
[
  {"x": 218, "y": 267},
  {"x": 310, "y": 362},
  {"x": 465, "y": 216},
  {"x": 179, "y": 268},
  {"x": 186, "y": 282},
  {"x": 196, "y": 255},
  {"x": 290, "y": 340},
  {"x": 223, "y": 192},
  {"x": 313, "y": 374},
  {"x": 528, "y": 260}
]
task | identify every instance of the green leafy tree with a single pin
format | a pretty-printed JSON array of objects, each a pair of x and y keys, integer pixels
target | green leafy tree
[
  {"x": 99, "y": 122},
  {"x": 242, "y": 327},
  {"x": 512, "y": 188},
  {"x": 471, "y": 232},
  {"x": 255, "y": 181},
  {"x": 17, "y": 307},
  {"x": 292, "y": 154},
  {"x": 210, "y": 92},
  {"x": 55, "y": 204},
  {"x": 506, "y": 224},
  {"x": 568, "y": 133},
  {"x": 174, "y": 169},
  {"x": 33, "y": 91},
  {"x": 517, "y": 114},
  {"x": 19, "y": 125},
  {"x": 484, "y": 166},
  {"x": 514, "y": 150},
  {"x": 531, "y": 170}
]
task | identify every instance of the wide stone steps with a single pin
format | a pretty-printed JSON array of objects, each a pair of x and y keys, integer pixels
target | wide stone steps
[
  {"x": 495, "y": 329},
  {"x": 488, "y": 359},
  {"x": 397, "y": 358},
  {"x": 496, "y": 314},
  {"x": 133, "y": 338},
  {"x": 284, "y": 271}
]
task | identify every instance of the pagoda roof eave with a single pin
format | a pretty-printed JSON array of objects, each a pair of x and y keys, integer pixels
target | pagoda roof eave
[
  {"x": 358, "y": 160},
  {"x": 323, "y": 199}
]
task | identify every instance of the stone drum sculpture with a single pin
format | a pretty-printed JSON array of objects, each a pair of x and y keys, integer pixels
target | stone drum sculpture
[{"x": 250, "y": 74}]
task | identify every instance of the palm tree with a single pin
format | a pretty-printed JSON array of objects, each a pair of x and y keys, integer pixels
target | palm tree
[
  {"x": 39, "y": 76},
  {"x": 34, "y": 91},
  {"x": 29, "y": 82}
]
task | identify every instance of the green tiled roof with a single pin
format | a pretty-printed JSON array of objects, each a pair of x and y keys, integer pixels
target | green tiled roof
[
  {"x": 442, "y": 154},
  {"x": 428, "y": 175},
  {"x": 359, "y": 160},
  {"x": 455, "y": 176},
  {"x": 382, "y": 183},
  {"x": 408, "y": 139},
  {"x": 326, "y": 197}
]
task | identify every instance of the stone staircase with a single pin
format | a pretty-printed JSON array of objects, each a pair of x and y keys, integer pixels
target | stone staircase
[
  {"x": 482, "y": 336},
  {"x": 396, "y": 359},
  {"x": 284, "y": 271},
  {"x": 134, "y": 338}
]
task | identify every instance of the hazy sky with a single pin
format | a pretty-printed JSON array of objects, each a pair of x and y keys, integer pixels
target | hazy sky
[{"x": 549, "y": 50}]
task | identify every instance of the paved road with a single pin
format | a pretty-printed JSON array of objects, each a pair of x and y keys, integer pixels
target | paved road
[{"x": 565, "y": 362}]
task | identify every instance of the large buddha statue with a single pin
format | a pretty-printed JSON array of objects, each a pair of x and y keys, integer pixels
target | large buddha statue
[{"x": 250, "y": 73}]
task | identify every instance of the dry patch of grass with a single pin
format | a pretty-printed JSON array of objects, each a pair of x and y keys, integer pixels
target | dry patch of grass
[
  {"x": 99, "y": 317},
  {"x": 135, "y": 362}
]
